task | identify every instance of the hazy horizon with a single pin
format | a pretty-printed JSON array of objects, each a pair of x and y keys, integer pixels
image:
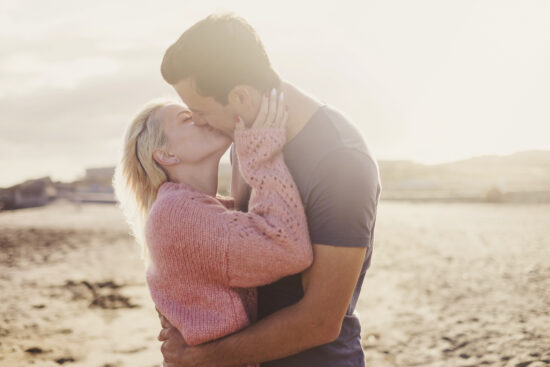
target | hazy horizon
[
  {"x": 429, "y": 81},
  {"x": 225, "y": 160}
]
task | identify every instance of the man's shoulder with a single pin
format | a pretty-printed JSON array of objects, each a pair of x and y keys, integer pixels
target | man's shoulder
[
  {"x": 344, "y": 131},
  {"x": 328, "y": 138},
  {"x": 327, "y": 130}
]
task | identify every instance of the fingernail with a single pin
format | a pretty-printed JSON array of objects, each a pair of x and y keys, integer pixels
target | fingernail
[
  {"x": 282, "y": 96},
  {"x": 273, "y": 92},
  {"x": 236, "y": 117},
  {"x": 286, "y": 107},
  {"x": 266, "y": 94}
]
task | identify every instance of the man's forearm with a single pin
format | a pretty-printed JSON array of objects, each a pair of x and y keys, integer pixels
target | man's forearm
[
  {"x": 286, "y": 332},
  {"x": 315, "y": 320}
]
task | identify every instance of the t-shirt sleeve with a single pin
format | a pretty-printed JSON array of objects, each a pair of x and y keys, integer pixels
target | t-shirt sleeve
[{"x": 341, "y": 205}]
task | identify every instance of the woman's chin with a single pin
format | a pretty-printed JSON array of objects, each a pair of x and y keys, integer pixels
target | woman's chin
[
  {"x": 226, "y": 140},
  {"x": 226, "y": 146}
]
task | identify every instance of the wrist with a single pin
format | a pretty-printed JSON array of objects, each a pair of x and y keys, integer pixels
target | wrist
[
  {"x": 192, "y": 357},
  {"x": 259, "y": 140},
  {"x": 203, "y": 356}
]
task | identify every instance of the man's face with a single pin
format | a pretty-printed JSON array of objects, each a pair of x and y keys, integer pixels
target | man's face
[{"x": 206, "y": 110}]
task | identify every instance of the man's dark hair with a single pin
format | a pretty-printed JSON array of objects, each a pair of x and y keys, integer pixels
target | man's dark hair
[{"x": 218, "y": 53}]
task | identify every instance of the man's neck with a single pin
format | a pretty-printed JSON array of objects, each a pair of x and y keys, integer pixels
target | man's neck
[{"x": 301, "y": 106}]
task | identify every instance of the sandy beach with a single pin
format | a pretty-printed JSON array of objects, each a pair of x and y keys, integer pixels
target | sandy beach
[{"x": 449, "y": 285}]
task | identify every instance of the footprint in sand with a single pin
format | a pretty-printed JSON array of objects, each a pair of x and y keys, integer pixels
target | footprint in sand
[
  {"x": 64, "y": 360},
  {"x": 102, "y": 295},
  {"x": 34, "y": 350}
]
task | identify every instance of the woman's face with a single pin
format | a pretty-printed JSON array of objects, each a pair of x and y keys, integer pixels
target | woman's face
[{"x": 189, "y": 142}]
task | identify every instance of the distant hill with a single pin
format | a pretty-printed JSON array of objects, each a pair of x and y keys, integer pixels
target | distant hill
[
  {"x": 522, "y": 173},
  {"x": 518, "y": 177}
]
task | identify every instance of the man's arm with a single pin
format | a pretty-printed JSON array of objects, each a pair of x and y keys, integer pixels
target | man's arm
[{"x": 315, "y": 320}]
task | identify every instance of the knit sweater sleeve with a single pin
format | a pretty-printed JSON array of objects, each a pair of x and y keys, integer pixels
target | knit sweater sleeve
[
  {"x": 271, "y": 240},
  {"x": 238, "y": 249}
]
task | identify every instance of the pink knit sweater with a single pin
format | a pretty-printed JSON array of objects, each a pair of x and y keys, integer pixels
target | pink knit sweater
[{"x": 206, "y": 258}]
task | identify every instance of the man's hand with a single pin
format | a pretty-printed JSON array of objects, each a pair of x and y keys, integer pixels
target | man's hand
[
  {"x": 163, "y": 320},
  {"x": 173, "y": 343},
  {"x": 173, "y": 346}
]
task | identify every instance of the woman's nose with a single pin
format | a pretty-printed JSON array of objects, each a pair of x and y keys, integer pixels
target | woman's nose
[{"x": 199, "y": 121}]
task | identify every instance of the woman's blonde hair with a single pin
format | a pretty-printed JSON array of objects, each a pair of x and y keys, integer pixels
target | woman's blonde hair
[{"x": 137, "y": 176}]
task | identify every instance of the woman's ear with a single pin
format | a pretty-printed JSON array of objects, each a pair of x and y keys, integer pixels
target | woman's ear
[{"x": 165, "y": 158}]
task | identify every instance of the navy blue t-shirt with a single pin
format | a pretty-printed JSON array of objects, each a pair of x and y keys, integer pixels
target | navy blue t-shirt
[{"x": 339, "y": 184}]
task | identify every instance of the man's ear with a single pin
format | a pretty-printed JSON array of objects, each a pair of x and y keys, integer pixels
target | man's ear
[
  {"x": 245, "y": 101},
  {"x": 239, "y": 97},
  {"x": 165, "y": 158}
]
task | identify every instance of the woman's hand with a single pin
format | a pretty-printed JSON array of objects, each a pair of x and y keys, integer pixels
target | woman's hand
[{"x": 273, "y": 113}]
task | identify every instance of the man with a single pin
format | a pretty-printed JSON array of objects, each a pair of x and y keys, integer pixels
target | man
[{"x": 220, "y": 69}]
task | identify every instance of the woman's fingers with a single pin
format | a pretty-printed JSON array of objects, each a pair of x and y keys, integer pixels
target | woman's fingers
[
  {"x": 239, "y": 123},
  {"x": 284, "y": 119},
  {"x": 272, "y": 113},
  {"x": 262, "y": 113},
  {"x": 280, "y": 111}
]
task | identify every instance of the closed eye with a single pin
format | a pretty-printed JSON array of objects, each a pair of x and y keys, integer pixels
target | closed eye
[{"x": 186, "y": 117}]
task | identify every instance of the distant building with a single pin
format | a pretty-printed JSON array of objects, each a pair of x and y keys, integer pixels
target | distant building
[
  {"x": 102, "y": 175},
  {"x": 28, "y": 194},
  {"x": 96, "y": 186}
]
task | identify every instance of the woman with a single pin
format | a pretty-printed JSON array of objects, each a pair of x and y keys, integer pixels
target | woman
[{"x": 204, "y": 257}]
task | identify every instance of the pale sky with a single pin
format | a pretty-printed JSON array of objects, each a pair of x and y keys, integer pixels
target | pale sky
[{"x": 430, "y": 81}]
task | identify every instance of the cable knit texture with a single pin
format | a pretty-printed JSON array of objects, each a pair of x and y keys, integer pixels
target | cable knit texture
[{"x": 206, "y": 258}]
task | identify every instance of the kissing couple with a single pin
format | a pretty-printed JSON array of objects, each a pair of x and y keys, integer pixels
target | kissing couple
[{"x": 271, "y": 275}]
